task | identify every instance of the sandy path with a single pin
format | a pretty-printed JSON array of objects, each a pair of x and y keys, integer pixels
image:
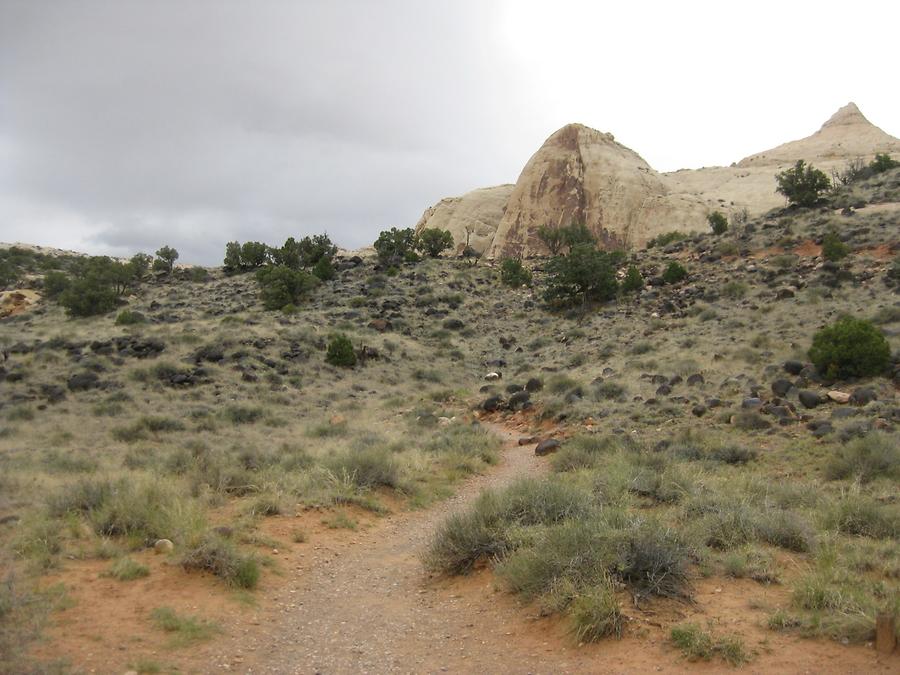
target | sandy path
[
  {"x": 369, "y": 607},
  {"x": 374, "y": 610}
]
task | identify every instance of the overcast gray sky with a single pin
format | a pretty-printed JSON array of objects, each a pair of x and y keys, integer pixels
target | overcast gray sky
[{"x": 127, "y": 125}]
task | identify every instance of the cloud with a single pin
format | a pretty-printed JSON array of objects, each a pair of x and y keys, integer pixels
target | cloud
[{"x": 131, "y": 124}]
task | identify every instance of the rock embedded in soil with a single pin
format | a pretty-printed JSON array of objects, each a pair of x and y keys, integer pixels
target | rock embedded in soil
[{"x": 547, "y": 447}]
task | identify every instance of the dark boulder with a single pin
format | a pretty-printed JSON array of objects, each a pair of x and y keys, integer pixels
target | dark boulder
[{"x": 547, "y": 447}]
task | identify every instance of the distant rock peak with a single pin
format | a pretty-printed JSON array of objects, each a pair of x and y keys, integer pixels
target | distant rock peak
[{"x": 849, "y": 115}]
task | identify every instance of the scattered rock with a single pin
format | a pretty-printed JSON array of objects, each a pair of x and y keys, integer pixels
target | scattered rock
[
  {"x": 863, "y": 396},
  {"x": 809, "y": 399},
  {"x": 490, "y": 377},
  {"x": 381, "y": 325},
  {"x": 533, "y": 385},
  {"x": 163, "y": 546},
  {"x": 83, "y": 382},
  {"x": 793, "y": 367},
  {"x": 528, "y": 440},
  {"x": 546, "y": 447},
  {"x": 781, "y": 387},
  {"x": 838, "y": 396},
  {"x": 695, "y": 379},
  {"x": 492, "y": 404}
]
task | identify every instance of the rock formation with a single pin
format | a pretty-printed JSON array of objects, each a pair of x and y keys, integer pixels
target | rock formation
[
  {"x": 580, "y": 175},
  {"x": 750, "y": 183},
  {"x": 472, "y": 218}
]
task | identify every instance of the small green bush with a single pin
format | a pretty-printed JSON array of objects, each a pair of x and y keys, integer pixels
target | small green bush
[
  {"x": 803, "y": 184},
  {"x": 130, "y": 318},
  {"x": 674, "y": 273},
  {"x": 366, "y": 468},
  {"x": 185, "y": 630},
  {"x": 833, "y": 248},
  {"x": 584, "y": 275},
  {"x": 55, "y": 283},
  {"x": 396, "y": 246},
  {"x": 718, "y": 223},
  {"x": 633, "y": 280},
  {"x": 340, "y": 352},
  {"x": 864, "y": 516},
  {"x": 280, "y": 285},
  {"x": 323, "y": 270},
  {"x": 664, "y": 240},
  {"x": 218, "y": 556},
  {"x": 127, "y": 569},
  {"x": 865, "y": 459},
  {"x": 514, "y": 273},
  {"x": 595, "y": 614},
  {"x": 433, "y": 241},
  {"x": 850, "y": 348}
]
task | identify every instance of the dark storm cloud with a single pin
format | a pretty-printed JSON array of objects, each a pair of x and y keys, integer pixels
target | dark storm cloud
[{"x": 125, "y": 125}]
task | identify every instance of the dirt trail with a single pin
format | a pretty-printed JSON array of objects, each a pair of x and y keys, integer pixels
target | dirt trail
[
  {"x": 373, "y": 609},
  {"x": 369, "y": 607}
]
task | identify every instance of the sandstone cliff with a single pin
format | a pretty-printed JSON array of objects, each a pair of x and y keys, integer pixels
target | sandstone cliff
[
  {"x": 473, "y": 217},
  {"x": 750, "y": 183},
  {"x": 581, "y": 175}
]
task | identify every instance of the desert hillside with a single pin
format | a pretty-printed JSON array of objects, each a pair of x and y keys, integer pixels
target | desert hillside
[{"x": 308, "y": 461}]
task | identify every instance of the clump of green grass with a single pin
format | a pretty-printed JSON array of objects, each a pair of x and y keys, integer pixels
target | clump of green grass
[
  {"x": 242, "y": 414},
  {"x": 127, "y": 569},
  {"x": 484, "y": 532},
  {"x": 595, "y": 614},
  {"x": 697, "y": 644},
  {"x": 751, "y": 563},
  {"x": 584, "y": 452},
  {"x": 863, "y": 515},
  {"x": 340, "y": 521},
  {"x": 184, "y": 630},
  {"x": 218, "y": 556},
  {"x": 368, "y": 467},
  {"x": 865, "y": 459},
  {"x": 459, "y": 442}
]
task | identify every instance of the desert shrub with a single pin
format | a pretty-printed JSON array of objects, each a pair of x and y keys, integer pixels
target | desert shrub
[
  {"x": 254, "y": 254},
  {"x": 88, "y": 296},
  {"x": 864, "y": 516},
  {"x": 165, "y": 259},
  {"x": 82, "y": 496},
  {"x": 633, "y": 280},
  {"x": 883, "y": 162},
  {"x": 484, "y": 532},
  {"x": 734, "y": 290},
  {"x": 465, "y": 441},
  {"x": 369, "y": 467},
  {"x": 433, "y": 241},
  {"x": 147, "y": 510},
  {"x": 718, "y": 223},
  {"x": 663, "y": 240},
  {"x": 552, "y": 237},
  {"x": 722, "y": 523},
  {"x": 242, "y": 414},
  {"x": 198, "y": 275},
  {"x": 39, "y": 539},
  {"x": 751, "y": 563},
  {"x": 130, "y": 318},
  {"x": 127, "y": 569},
  {"x": 280, "y": 285},
  {"x": 396, "y": 246},
  {"x": 595, "y": 614},
  {"x": 340, "y": 352},
  {"x": 323, "y": 270},
  {"x": 514, "y": 273},
  {"x": 578, "y": 234},
  {"x": 833, "y": 248},
  {"x": 785, "y": 529},
  {"x": 312, "y": 249},
  {"x": 850, "y": 348},
  {"x": 185, "y": 630},
  {"x": 696, "y": 644},
  {"x": 584, "y": 275},
  {"x": 583, "y": 452},
  {"x": 802, "y": 185},
  {"x": 218, "y": 556},
  {"x": 55, "y": 283},
  {"x": 872, "y": 456},
  {"x": 731, "y": 454},
  {"x": 466, "y": 538},
  {"x": 654, "y": 560},
  {"x": 674, "y": 273}
]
